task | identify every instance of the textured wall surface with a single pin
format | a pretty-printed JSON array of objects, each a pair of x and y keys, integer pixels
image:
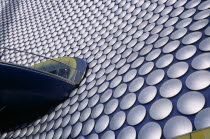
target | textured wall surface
[{"x": 149, "y": 62}]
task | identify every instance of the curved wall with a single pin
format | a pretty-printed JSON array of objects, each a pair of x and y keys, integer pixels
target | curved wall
[{"x": 145, "y": 58}]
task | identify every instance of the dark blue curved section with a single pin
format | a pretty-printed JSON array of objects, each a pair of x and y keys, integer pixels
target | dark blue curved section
[
  {"x": 81, "y": 68},
  {"x": 25, "y": 93},
  {"x": 81, "y": 65}
]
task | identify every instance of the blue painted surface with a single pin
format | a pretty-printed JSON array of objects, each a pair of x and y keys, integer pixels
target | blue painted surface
[{"x": 25, "y": 93}]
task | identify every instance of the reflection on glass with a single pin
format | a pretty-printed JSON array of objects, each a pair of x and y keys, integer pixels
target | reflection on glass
[{"x": 70, "y": 69}]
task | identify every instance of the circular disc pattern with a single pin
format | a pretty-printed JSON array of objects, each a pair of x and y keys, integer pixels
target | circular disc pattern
[
  {"x": 128, "y": 101},
  {"x": 205, "y": 44},
  {"x": 170, "y": 88},
  {"x": 164, "y": 61},
  {"x": 150, "y": 130},
  {"x": 136, "y": 115},
  {"x": 147, "y": 94},
  {"x": 178, "y": 122},
  {"x": 186, "y": 52},
  {"x": 117, "y": 120},
  {"x": 198, "y": 80},
  {"x": 155, "y": 77},
  {"x": 160, "y": 109},
  {"x": 108, "y": 135},
  {"x": 190, "y": 103},
  {"x": 202, "y": 119},
  {"x": 127, "y": 132},
  {"x": 201, "y": 61},
  {"x": 129, "y": 46},
  {"x": 102, "y": 124},
  {"x": 177, "y": 70},
  {"x": 136, "y": 84}
]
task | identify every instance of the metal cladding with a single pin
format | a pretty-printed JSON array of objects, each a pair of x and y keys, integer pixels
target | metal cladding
[{"x": 148, "y": 65}]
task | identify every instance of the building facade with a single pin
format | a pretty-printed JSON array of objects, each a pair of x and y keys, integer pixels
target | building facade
[{"x": 148, "y": 65}]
